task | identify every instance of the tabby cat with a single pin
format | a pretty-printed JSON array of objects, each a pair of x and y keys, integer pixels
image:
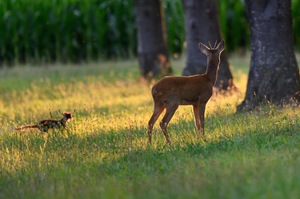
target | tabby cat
[{"x": 46, "y": 124}]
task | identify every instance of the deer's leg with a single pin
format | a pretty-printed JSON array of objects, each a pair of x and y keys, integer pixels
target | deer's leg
[
  {"x": 197, "y": 117},
  {"x": 166, "y": 119},
  {"x": 156, "y": 113},
  {"x": 201, "y": 112}
]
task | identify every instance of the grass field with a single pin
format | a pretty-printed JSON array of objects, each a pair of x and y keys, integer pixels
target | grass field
[{"x": 104, "y": 152}]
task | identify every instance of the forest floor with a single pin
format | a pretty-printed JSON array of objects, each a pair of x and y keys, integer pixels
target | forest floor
[{"x": 104, "y": 151}]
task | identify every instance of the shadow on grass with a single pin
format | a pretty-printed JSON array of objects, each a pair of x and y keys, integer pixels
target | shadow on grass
[
  {"x": 123, "y": 160},
  {"x": 124, "y": 152}
]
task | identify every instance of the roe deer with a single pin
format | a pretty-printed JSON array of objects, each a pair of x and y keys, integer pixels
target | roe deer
[
  {"x": 46, "y": 124},
  {"x": 170, "y": 92}
]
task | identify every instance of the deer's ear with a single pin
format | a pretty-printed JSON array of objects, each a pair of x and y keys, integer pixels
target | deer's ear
[
  {"x": 221, "y": 46},
  {"x": 203, "y": 48}
]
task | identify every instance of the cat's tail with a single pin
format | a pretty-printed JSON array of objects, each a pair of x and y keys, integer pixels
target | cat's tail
[{"x": 30, "y": 126}]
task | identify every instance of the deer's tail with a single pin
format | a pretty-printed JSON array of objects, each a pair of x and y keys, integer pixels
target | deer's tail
[{"x": 30, "y": 126}]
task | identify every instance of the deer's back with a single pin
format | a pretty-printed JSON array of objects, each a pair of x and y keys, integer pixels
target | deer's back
[{"x": 182, "y": 89}]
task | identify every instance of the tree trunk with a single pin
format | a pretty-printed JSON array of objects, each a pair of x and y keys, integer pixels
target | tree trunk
[
  {"x": 202, "y": 25},
  {"x": 152, "y": 45},
  {"x": 274, "y": 74}
]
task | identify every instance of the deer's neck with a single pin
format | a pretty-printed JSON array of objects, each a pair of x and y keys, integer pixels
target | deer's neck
[{"x": 212, "y": 69}]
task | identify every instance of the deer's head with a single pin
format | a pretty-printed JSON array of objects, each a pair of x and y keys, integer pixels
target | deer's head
[{"x": 215, "y": 50}]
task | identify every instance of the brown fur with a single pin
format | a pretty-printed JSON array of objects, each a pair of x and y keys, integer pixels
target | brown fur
[
  {"x": 46, "y": 124},
  {"x": 170, "y": 92}
]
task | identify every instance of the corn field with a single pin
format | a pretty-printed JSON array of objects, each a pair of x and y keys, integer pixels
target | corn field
[{"x": 42, "y": 31}]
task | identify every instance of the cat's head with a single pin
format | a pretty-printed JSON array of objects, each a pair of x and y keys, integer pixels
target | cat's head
[{"x": 67, "y": 115}]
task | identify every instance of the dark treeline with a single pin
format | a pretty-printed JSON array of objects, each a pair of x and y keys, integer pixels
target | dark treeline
[{"x": 79, "y": 30}]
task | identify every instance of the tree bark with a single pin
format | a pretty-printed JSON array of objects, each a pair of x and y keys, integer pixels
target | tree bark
[
  {"x": 152, "y": 45},
  {"x": 202, "y": 25},
  {"x": 274, "y": 73}
]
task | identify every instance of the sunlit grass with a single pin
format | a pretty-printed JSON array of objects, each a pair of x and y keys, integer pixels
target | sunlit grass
[{"x": 104, "y": 152}]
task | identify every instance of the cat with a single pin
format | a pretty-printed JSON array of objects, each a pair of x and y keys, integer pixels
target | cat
[{"x": 46, "y": 124}]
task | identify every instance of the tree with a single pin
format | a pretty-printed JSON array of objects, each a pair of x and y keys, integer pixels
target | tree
[
  {"x": 202, "y": 25},
  {"x": 274, "y": 74},
  {"x": 152, "y": 45}
]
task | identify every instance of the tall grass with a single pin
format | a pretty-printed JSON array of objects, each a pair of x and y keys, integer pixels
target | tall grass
[
  {"x": 85, "y": 30},
  {"x": 296, "y": 22},
  {"x": 233, "y": 24},
  {"x": 68, "y": 30},
  {"x": 104, "y": 152}
]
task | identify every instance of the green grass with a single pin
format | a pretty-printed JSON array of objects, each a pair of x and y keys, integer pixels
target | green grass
[{"x": 104, "y": 153}]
